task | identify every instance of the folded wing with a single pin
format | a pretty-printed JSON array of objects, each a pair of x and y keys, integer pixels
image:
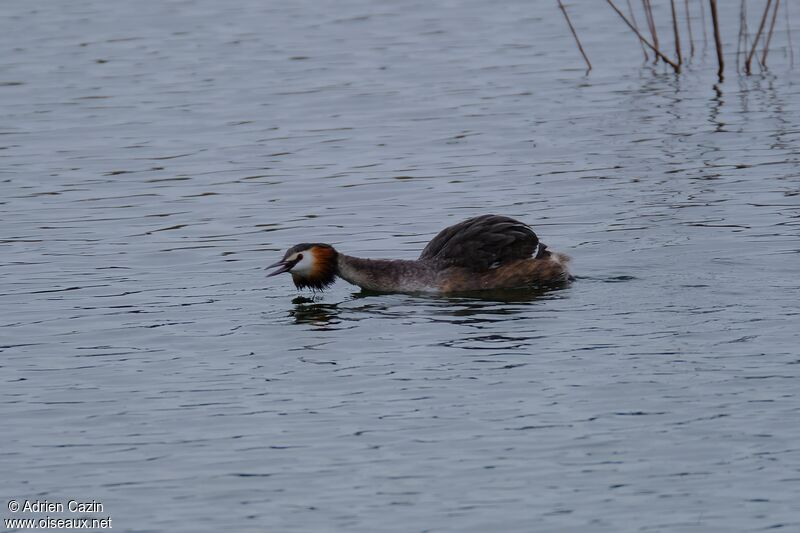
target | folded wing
[{"x": 482, "y": 242}]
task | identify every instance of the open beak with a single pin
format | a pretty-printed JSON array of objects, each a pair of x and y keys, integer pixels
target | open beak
[{"x": 283, "y": 266}]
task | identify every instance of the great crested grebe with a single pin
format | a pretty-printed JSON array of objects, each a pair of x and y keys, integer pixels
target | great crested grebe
[{"x": 481, "y": 253}]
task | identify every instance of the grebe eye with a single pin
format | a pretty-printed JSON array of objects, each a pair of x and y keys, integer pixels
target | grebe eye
[{"x": 299, "y": 257}]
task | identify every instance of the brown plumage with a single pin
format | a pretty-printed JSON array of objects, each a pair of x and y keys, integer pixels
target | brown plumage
[
  {"x": 482, "y": 253},
  {"x": 481, "y": 242}
]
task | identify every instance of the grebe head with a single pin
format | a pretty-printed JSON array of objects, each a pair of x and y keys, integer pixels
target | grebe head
[{"x": 312, "y": 265}]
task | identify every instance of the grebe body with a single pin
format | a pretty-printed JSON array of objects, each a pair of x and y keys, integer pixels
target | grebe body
[{"x": 487, "y": 252}]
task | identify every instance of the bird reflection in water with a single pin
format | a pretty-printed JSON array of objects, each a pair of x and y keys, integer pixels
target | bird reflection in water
[
  {"x": 489, "y": 306},
  {"x": 309, "y": 311}
]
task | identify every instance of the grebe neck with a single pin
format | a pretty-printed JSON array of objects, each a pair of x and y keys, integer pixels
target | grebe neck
[{"x": 387, "y": 274}]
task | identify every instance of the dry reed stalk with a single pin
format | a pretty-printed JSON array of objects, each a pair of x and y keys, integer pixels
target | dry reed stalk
[
  {"x": 689, "y": 27},
  {"x": 741, "y": 39},
  {"x": 749, "y": 59},
  {"x": 703, "y": 21},
  {"x": 676, "y": 32},
  {"x": 789, "y": 34},
  {"x": 717, "y": 39},
  {"x": 636, "y": 25},
  {"x": 642, "y": 38},
  {"x": 574, "y": 34},
  {"x": 651, "y": 24},
  {"x": 769, "y": 34}
]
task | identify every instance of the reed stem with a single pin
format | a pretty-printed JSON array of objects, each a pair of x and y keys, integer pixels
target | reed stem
[
  {"x": 749, "y": 59},
  {"x": 651, "y": 24},
  {"x": 717, "y": 39},
  {"x": 642, "y": 38},
  {"x": 574, "y": 34},
  {"x": 703, "y": 24},
  {"x": 676, "y": 32},
  {"x": 789, "y": 35},
  {"x": 636, "y": 25},
  {"x": 689, "y": 27},
  {"x": 741, "y": 39},
  {"x": 769, "y": 34}
]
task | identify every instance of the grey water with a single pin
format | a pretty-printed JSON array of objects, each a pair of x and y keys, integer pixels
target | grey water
[{"x": 155, "y": 156}]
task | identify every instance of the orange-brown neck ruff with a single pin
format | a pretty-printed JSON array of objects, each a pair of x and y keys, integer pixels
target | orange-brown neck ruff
[{"x": 323, "y": 272}]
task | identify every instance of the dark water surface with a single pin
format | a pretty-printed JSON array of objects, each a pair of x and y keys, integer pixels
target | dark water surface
[{"x": 156, "y": 156}]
